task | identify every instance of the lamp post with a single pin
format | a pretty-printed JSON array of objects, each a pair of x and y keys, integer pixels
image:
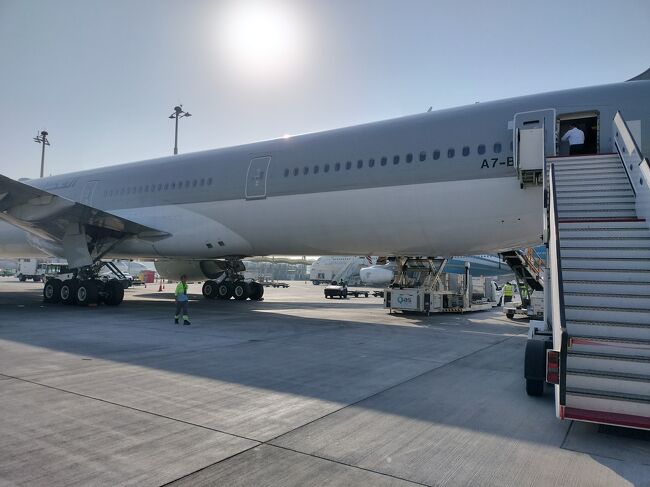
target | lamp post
[
  {"x": 42, "y": 139},
  {"x": 176, "y": 114}
]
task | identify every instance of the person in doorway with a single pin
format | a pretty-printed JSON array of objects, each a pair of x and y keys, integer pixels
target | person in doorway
[
  {"x": 507, "y": 293},
  {"x": 182, "y": 301},
  {"x": 576, "y": 139}
]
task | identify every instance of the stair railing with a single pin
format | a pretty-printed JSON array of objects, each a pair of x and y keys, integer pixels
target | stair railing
[
  {"x": 555, "y": 290},
  {"x": 636, "y": 166}
]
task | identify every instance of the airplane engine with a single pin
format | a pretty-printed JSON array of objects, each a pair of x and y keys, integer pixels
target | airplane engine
[
  {"x": 196, "y": 270},
  {"x": 377, "y": 275}
]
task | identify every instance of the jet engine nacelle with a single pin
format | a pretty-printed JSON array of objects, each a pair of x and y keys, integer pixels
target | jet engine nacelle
[
  {"x": 377, "y": 275},
  {"x": 196, "y": 270}
]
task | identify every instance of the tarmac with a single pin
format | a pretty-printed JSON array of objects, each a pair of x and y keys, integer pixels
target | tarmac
[{"x": 295, "y": 390}]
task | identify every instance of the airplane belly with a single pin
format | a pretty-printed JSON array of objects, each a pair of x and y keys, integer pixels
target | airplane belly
[{"x": 450, "y": 218}]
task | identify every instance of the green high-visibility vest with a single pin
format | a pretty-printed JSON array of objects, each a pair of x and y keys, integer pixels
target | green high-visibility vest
[{"x": 507, "y": 290}]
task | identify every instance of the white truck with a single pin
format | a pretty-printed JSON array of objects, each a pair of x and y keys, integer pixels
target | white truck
[{"x": 30, "y": 269}]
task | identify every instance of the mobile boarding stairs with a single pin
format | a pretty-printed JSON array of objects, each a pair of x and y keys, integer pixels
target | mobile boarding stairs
[{"x": 594, "y": 343}]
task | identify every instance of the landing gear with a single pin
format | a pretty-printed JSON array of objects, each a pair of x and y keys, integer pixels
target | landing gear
[
  {"x": 241, "y": 291},
  {"x": 224, "y": 290},
  {"x": 85, "y": 287},
  {"x": 256, "y": 291},
  {"x": 210, "y": 289}
]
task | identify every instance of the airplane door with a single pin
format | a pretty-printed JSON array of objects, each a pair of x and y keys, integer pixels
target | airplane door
[
  {"x": 256, "y": 177},
  {"x": 87, "y": 193},
  {"x": 531, "y": 129}
]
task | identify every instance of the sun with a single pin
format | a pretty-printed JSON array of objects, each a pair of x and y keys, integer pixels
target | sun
[{"x": 260, "y": 39}]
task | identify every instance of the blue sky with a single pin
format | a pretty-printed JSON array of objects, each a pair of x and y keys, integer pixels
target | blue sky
[{"x": 103, "y": 76}]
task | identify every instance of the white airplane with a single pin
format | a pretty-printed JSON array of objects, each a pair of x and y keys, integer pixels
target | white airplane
[
  {"x": 329, "y": 267},
  {"x": 438, "y": 183}
]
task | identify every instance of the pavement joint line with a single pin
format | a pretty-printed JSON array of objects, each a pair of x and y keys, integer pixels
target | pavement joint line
[
  {"x": 130, "y": 408},
  {"x": 566, "y": 435}
]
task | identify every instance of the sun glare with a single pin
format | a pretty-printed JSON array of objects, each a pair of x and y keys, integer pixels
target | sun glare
[{"x": 261, "y": 39}]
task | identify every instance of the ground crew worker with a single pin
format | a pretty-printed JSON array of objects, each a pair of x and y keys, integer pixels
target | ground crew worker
[
  {"x": 507, "y": 293},
  {"x": 182, "y": 301}
]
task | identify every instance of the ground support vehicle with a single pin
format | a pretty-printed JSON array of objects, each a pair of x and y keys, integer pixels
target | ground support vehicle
[{"x": 336, "y": 291}]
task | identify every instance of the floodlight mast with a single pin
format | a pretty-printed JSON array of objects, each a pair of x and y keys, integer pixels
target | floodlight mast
[
  {"x": 176, "y": 114},
  {"x": 42, "y": 139}
]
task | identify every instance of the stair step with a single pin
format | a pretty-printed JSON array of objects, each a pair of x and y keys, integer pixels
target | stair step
[
  {"x": 636, "y": 242},
  {"x": 596, "y": 232},
  {"x": 616, "y": 183},
  {"x": 607, "y": 329},
  {"x": 608, "y": 300},
  {"x": 638, "y": 316},
  {"x": 613, "y": 287},
  {"x": 589, "y": 177},
  {"x": 608, "y": 363},
  {"x": 635, "y": 276},
  {"x": 609, "y": 168},
  {"x": 607, "y": 409},
  {"x": 600, "y": 213},
  {"x": 561, "y": 192},
  {"x": 617, "y": 263},
  {"x": 587, "y": 161},
  {"x": 600, "y": 252},
  {"x": 605, "y": 345},
  {"x": 597, "y": 207},
  {"x": 612, "y": 225},
  {"x": 562, "y": 200},
  {"x": 633, "y": 385}
]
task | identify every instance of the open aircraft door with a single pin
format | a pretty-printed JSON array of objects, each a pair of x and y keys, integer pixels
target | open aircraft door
[
  {"x": 256, "y": 177},
  {"x": 533, "y": 141}
]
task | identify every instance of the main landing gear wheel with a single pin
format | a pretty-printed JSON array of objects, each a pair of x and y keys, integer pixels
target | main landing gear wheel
[
  {"x": 256, "y": 291},
  {"x": 241, "y": 291},
  {"x": 52, "y": 291},
  {"x": 224, "y": 290},
  {"x": 68, "y": 291},
  {"x": 210, "y": 289},
  {"x": 87, "y": 293},
  {"x": 113, "y": 292}
]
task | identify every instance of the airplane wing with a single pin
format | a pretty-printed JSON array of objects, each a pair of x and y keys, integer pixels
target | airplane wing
[{"x": 57, "y": 219}]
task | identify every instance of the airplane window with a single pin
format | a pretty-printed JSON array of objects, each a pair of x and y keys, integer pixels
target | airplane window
[
  {"x": 167, "y": 186},
  {"x": 296, "y": 171},
  {"x": 481, "y": 149},
  {"x": 194, "y": 183},
  {"x": 202, "y": 182},
  {"x": 395, "y": 160},
  {"x": 159, "y": 187},
  {"x": 511, "y": 145},
  {"x": 286, "y": 173},
  {"x": 409, "y": 158},
  {"x": 326, "y": 168},
  {"x": 359, "y": 164},
  {"x": 465, "y": 151},
  {"x": 497, "y": 147},
  {"x": 436, "y": 155},
  {"x": 348, "y": 165},
  {"x": 173, "y": 186},
  {"x": 187, "y": 184},
  {"x": 316, "y": 169},
  {"x": 128, "y": 190},
  {"x": 371, "y": 163},
  {"x": 210, "y": 181},
  {"x": 450, "y": 153},
  {"x": 305, "y": 170},
  {"x": 423, "y": 156},
  {"x": 384, "y": 161},
  {"x": 337, "y": 166}
]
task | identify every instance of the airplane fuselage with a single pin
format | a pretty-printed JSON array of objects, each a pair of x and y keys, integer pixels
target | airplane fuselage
[{"x": 439, "y": 183}]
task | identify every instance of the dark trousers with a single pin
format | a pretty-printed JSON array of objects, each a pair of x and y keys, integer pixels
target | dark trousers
[
  {"x": 507, "y": 299},
  {"x": 182, "y": 306},
  {"x": 576, "y": 149}
]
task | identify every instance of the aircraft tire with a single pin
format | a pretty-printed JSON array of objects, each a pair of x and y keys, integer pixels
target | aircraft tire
[
  {"x": 241, "y": 291},
  {"x": 224, "y": 290},
  {"x": 114, "y": 293},
  {"x": 256, "y": 291},
  {"x": 209, "y": 290},
  {"x": 68, "y": 291},
  {"x": 52, "y": 291},
  {"x": 87, "y": 293}
]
